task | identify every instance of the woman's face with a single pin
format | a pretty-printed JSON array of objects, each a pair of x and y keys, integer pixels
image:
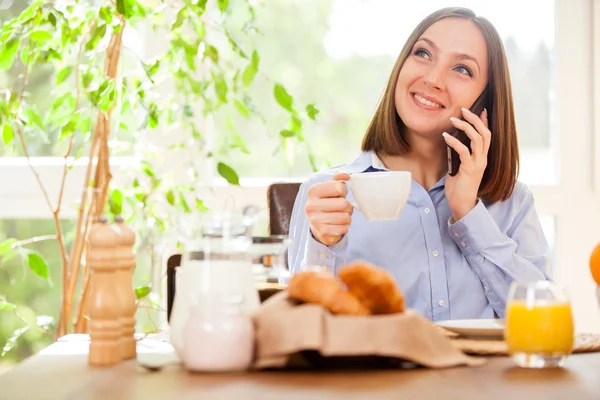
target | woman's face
[{"x": 445, "y": 71}]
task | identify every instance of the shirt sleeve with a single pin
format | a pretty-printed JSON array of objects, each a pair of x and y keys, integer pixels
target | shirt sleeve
[
  {"x": 305, "y": 250},
  {"x": 498, "y": 258}
]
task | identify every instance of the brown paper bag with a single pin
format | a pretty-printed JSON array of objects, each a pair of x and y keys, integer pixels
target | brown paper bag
[{"x": 289, "y": 334}]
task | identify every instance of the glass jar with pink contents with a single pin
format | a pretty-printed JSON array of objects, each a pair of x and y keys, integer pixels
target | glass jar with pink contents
[{"x": 218, "y": 335}]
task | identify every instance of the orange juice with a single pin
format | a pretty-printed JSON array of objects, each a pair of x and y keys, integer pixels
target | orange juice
[{"x": 542, "y": 328}]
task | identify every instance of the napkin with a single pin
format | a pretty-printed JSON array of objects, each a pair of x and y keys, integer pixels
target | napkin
[{"x": 292, "y": 334}]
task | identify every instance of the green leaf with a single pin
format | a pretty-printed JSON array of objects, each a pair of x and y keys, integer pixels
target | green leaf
[
  {"x": 221, "y": 87},
  {"x": 125, "y": 8},
  {"x": 52, "y": 19},
  {"x": 106, "y": 14},
  {"x": 24, "y": 55},
  {"x": 8, "y": 53},
  {"x": 11, "y": 341},
  {"x": 142, "y": 291},
  {"x": 148, "y": 171},
  {"x": 223, "y": 5},
  {"x": 200, "y": 206},
  {"x": 184, "y": 204},
  {"x": 241, "y": 107},
  {"x": 295, "y": 124},
  {"x": 97, "y": 35},
  {"x": 63, "y": 74},
  {"x": 35, "y": 118},
  {"x": 31, "y": 11},
  {"x": 181, "y": 17},
  {"x": 37, "y": 264},
  {"x": 40, "y": 36},
  {"x": 85, "y": 126},
  {"x": 287, "y": 133},
  {"x": 187, "y": 111},
  {"x": 6, "y": 246},
  {"x": 249, "y": 74},
  {"x": 212, "y": 53},
  {"x": 70, "y": 126},
  {"x": 154, "y": 68},
  {"x": 7, "y": 133},
  {"x": 6, "y": 306},
  {"x": 312, "y": 111},
  {"x": 228, "y": 173},
  {"x": 153, "y": 115},
  {"x": 282, "y": 97},
  {"x": 116, "y": 202},
  {"x": 170, "y": 196},
  {"x": 255, "y": 59}
]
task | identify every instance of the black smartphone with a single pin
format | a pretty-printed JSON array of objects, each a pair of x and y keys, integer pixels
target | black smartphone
[{"x": 453, "y": 157}]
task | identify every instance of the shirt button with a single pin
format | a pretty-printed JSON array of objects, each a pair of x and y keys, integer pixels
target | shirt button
[
  {"x": 442, "y": 303},
  {"x": 486, "y": 288},
  {"x": 435, "y": 253},
  {"x": 463, "y": 244},
  {"x": 323, "y": 255},
  {"x": 456, "y": 234},
  {"x": 427, "y": 211}
]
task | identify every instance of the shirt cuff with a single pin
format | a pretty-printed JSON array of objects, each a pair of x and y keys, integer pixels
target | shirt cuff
[
  {"x": 476, "y": 231},
  {"x": 319, "y": 255}
]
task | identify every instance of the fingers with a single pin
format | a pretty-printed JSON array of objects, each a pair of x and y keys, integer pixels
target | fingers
[
  {"x": 476, "y": 138},
  {"x": 332, "y": 218},
  {"x": 487, "y": 137},
  {"x": 481, "y": 125},
  {"x": 341, "y": 176},
  {"x": 461, "y": 149},
  {"x": 328, "y": 211},
  {"x": 338, "y": 204},
  {"x": 335, "y": 188},
  {"x": 330, "y": 240}
]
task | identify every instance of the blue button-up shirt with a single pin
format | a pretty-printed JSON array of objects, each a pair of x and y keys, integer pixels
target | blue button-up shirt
[{"x": 446, "y": 270}]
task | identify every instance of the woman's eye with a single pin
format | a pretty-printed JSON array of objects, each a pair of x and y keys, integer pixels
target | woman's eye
[
  {"x": 421, "y": 53},
  {"x": 463, "y": 70}
]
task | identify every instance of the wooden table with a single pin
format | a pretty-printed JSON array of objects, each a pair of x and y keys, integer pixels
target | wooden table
[{"x": 61, "y": 372}]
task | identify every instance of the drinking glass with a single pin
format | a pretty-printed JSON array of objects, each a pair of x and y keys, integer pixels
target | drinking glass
[{"x": 539, "y": 324}]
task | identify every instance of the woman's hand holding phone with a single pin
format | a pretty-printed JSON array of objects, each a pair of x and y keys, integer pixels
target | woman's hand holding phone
[{"x": 461, "y": 190}]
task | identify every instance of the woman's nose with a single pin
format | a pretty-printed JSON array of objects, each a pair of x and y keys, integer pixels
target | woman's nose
[{"x": 436, "y": 78}]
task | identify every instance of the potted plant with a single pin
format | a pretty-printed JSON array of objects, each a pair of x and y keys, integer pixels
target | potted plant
[{"x": 95, "y": 105}]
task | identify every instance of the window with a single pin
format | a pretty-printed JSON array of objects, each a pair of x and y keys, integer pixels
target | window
[{"x": 343, "y": 64}]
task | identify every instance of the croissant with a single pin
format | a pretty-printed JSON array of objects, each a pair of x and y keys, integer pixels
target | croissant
[
  {"x": 322, "y": 288},
  {"x": 374, "y": 287}
]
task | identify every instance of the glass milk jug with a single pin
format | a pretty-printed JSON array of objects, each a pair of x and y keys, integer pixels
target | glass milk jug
[{"x": 215, "y": 261}]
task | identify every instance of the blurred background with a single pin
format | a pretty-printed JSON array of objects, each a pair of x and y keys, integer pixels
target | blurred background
[{"x": 338, "y": 54}]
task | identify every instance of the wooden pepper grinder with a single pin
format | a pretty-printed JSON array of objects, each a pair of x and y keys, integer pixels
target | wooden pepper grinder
[
  {"x": 104, "y": 309},
  {"x": 124, "y": 285}
]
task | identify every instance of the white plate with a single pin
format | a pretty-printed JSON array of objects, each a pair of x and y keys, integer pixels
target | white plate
[{"x": 475, "y": 328}]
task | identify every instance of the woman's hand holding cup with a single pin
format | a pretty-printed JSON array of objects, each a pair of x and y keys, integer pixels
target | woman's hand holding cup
[{"x": 329, "y": 213}]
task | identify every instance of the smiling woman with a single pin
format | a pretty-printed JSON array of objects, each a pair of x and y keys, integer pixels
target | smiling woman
[{"x": 462, "y": 239}]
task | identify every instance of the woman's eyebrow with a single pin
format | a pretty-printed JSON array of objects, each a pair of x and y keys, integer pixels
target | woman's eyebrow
[{"x": 460, "y": 56}]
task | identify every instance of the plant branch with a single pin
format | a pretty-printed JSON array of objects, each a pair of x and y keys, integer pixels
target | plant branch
[
  {"x": 23, "y": 320},
  {"x": 20, "y": 132},
  {"x": 35, "y": 239},
  {"x": 102, "y": 175},
  {"x": 77, "y": 97}
]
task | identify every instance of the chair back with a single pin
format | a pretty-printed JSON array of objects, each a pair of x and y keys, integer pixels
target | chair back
[{"x": 280, "y": 199}]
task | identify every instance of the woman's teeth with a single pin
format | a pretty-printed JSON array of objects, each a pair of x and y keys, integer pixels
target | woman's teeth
[{"x": 426, "y": 102}]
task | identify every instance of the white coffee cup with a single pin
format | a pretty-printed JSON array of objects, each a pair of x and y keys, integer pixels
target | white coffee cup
[{"x": 380, "y": 196}]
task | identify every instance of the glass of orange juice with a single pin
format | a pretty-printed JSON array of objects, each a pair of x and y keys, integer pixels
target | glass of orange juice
[{"x": 539, "y": 324}]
